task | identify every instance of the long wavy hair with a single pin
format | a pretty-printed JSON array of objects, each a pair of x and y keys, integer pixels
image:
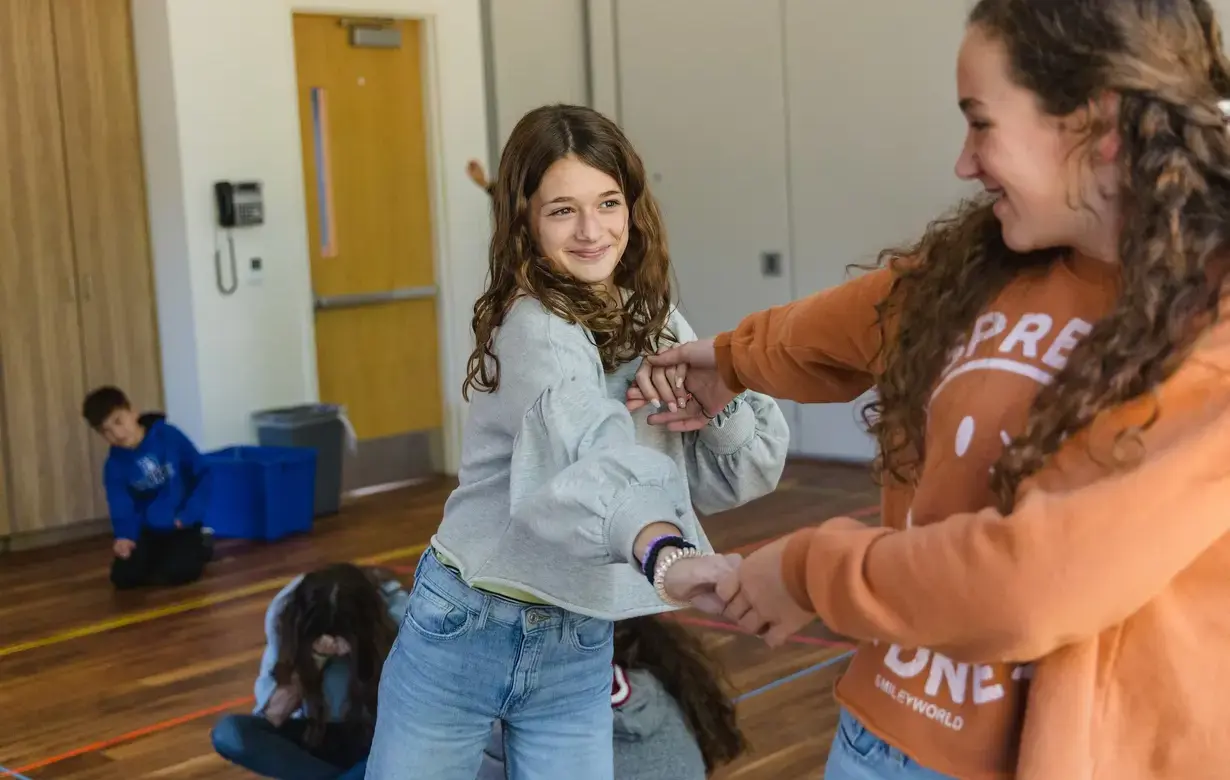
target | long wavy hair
[
  {"x": 622, "y": 331},
  {"x": 675, "y": 656},
  {"x": 1163, "y": 59},
  {"x": 344, "y": 601}
]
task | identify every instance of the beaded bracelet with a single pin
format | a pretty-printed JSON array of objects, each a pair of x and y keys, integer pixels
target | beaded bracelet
[
  {"x": 659, "y": 575},
  {"x": 655, "y": 549}
]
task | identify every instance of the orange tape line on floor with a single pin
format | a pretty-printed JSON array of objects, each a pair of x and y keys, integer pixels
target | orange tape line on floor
[{"x": 144, "y": 731}]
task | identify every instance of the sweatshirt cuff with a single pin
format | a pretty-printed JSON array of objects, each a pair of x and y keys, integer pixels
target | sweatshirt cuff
[
  {"x": 731, "y": 429},
  {"x": 726, "y": 361},
  {"x": 794, "y": 567},
  {"x": 636, "y": 508}
]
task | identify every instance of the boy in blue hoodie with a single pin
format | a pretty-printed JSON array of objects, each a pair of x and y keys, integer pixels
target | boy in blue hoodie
[{"x": 157, "y": 487}]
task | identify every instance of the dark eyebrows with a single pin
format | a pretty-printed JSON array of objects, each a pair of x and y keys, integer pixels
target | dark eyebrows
[
  {"x": 968, "y": 103},
  {"x": 567, "y": 199}
]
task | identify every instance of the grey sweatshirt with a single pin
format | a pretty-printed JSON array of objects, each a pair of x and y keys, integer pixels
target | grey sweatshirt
[
  {"x": 557, "y": 478},
  {"x": 652, "y": 739}
]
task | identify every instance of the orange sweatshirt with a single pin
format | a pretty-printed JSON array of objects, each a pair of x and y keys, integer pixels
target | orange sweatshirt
[{"x": 922, "y": 691}]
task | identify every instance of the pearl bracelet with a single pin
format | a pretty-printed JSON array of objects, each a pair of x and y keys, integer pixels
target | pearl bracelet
[{"x": 665, "y": 560}]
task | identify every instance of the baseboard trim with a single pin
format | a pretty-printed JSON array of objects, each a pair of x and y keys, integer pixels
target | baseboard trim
[
  {"x": 390, "y": 460},
  {"x": 50, "y": 537},
  {"x": 389, "y": 487}
]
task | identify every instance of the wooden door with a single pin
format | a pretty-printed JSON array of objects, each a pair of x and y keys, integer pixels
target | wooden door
[
  {"x": 106, "y": 190},
  {"x": 369, "y": 224},
  {"x": 50, "y": 477}
]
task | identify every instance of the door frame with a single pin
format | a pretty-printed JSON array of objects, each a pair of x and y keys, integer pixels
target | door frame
[{"x": 454, "y": 300}]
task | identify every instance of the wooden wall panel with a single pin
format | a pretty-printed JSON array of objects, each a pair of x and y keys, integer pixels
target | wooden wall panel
[
  {"x": 50, "y": 475},
  {"x": 106, "y": 189}
]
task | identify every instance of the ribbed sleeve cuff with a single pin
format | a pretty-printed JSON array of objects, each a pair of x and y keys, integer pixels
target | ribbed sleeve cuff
[
  {"x": 731, "y": 429},
  {"x": 637, "y": 507}
]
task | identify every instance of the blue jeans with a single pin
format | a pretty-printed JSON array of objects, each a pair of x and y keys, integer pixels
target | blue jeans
[
  {"x": 464, "y": 658},
  {"x": 251, "y": 742},
  {"x": 857, "y": 754}
]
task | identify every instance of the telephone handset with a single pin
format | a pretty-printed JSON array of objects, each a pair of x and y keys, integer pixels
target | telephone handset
[{"x": 239, "y": 205}]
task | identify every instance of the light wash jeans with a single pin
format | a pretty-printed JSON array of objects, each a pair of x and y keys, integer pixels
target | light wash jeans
[
  {"x": 464, "y": 658},
  {"x": 857, "y": 754}
]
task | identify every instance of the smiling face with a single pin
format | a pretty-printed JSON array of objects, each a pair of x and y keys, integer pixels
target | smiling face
[
  {"x": 579, "y": 220},
  {"x": 1048, "y": 196}
]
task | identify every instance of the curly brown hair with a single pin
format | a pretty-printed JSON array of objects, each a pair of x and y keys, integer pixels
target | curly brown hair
[
  {"x": 1163, "y": 59},
  {"x": 344, "y": 601},
  {"x": 677, "y": 659},
  {"x": 621, "y": 331},
  {"x": 940, "y": 285}
]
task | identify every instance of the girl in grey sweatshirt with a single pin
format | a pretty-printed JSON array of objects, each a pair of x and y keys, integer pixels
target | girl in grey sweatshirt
[{"x": 571, "y": 512}]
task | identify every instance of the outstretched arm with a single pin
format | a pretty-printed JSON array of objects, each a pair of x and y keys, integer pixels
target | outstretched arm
[
  {"x": 1067, "y": 563},
  {"x": 819, "y": 349}
]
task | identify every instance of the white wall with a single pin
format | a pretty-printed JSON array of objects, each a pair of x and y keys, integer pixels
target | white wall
[
  {"x": 861, "y": 98},
  {"x": 874, "y": 135},
  {"x": 218, "y": 100},
  {"x": 537, "y": 55}
]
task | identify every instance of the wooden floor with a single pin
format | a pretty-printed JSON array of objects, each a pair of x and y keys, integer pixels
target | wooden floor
[{"x": 96, "y": 684}]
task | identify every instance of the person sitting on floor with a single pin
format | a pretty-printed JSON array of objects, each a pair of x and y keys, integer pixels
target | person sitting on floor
[
  {"x": 327, "y": 635},
  {"x": 673, "y": 721},
  {"x": 157, "y": 486}
]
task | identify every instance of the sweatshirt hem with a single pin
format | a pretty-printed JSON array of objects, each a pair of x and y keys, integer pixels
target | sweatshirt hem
[
  {"x": 933, "y": 763},
  {"x": 480, "y": 583}
]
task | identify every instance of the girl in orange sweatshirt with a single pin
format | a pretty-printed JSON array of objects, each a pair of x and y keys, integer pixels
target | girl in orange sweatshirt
[{"x": 1053, "y": 351}]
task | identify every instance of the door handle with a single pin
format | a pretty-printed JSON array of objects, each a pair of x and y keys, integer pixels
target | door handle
[
  {"x": 771, "y": 263},
  {"x": 353, "y": 300}
]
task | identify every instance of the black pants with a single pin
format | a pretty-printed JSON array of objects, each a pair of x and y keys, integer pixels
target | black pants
[{"x": 174, "y": 557}]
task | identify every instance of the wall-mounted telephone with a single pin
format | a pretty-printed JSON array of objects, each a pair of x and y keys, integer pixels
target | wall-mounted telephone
[{"x": 239, "y": 203}]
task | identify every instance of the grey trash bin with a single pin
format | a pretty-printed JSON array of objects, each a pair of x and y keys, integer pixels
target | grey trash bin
[{"x": 321, "y": 427}]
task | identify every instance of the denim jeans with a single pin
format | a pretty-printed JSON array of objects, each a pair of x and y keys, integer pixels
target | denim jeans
[
  {"x": 464, "y": 658},
  {"x": 857, "y": 754},
  {"x": 252, "y": 742}
]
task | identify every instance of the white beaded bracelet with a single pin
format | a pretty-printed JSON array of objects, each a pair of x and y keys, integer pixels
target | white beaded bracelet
[{"x": 665, "y": 560}]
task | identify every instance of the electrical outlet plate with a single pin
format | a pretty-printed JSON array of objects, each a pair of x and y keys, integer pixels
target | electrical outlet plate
[{"x": 256, "y": 270}]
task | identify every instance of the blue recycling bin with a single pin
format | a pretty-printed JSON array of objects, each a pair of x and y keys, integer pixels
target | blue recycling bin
[{"x": 261, "y": 493}]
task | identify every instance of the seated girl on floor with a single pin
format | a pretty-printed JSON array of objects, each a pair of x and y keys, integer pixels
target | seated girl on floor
[
  {"x": 673, "y": 721},
  {"x": 328, "y": 633}
]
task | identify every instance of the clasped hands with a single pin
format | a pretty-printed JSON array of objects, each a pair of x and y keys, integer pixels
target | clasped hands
[{"x": 749, "y": 592}]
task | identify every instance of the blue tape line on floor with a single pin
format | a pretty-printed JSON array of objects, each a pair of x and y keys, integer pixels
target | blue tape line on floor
[
  {"x": 10, "y": 773},
  {"x": 792, "y": 677}
]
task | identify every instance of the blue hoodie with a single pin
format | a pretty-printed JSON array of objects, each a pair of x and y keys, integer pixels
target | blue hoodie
[{"x": 163, "y": 480}]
